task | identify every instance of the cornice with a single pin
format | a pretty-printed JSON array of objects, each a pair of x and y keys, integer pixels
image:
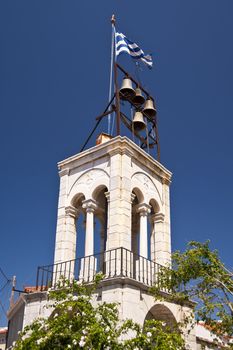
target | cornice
[
  {"x": 64, "y": 172},
  {"x": 118, "y": 145}
]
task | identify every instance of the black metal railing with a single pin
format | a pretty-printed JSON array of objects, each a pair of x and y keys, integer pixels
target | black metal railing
[{"x": 119, "y": 262}]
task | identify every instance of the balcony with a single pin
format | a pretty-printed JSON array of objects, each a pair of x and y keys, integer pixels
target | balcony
[{"x": 115, "y": 263}]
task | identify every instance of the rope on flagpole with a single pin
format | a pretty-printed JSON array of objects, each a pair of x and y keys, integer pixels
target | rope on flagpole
[{"x": 111, "y": 70}]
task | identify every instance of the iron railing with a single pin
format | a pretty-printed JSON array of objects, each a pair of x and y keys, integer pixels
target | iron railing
[{"x": 119, "y": 262}]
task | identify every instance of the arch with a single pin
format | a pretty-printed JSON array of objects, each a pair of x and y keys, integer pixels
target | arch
[
  {"x": 87, "y": 183},
  {"x": 77, "y": 200},
  {"x": 98, "y": 190},
  {"x": 101, "y": 216},
  {"x": 147, "y": 187},
  {"x": 98, "y": 185},
  {"x": 135, "y": 226},
  {"x": 138, "y": 193},
  {"x": 162, "y": 313},
  {"x": 154, "y": 206}
]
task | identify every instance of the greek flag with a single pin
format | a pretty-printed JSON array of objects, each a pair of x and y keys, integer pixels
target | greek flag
[{"x": 125, "y": 45}]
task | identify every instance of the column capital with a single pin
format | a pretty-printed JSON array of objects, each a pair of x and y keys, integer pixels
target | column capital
[
  {"x": 71, "y": 211},
  {"x": 159, "y": 217},
  {"x": 132, "y": 197},
  {"x": 107, "y": 195},
  {"x": 90, "y": 205},
  {"x": 143, "y": 209}
]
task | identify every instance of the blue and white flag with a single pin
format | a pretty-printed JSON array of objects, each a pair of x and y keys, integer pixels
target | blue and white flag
[{"x": 125, "y": 45}]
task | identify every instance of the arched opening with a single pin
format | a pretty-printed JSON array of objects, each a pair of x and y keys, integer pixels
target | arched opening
[
  {"x": 101, "y": 226},
  {"x": 101, "y": 219},
  {"x": 137, "y": 198},
  {"x": 79, "y": 224},
  {"x": 154, "y": 206},
  {"x": 162, "y": 313},
  {"x": 152, "y": 229}
]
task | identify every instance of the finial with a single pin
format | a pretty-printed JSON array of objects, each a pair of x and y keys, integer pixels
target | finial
[{"x": 113, "y": 19}]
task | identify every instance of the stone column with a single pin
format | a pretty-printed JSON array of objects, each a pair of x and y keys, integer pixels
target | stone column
[
  {"x": 143, "y": 264},
  {"x": 107, "y": 195},
  {"x": 158, "y": 250},
  {"x": 66, "y": 247},
  {"x": 143, "y": 210},
  {"x": 134, "y": 228},
  {"x": 88, "y": 263},
  {"x": 152, "y": 238},
  {"x": 71, "y": 233},
  {"x": 90, "y": 206},
  {"x": 166, "y": 225},
  {"x": 102, "y": 248},
  {"x": 119, "y": 232},
  {"x": 158, "y": 255},
  {"x": 59, "y": 254}
]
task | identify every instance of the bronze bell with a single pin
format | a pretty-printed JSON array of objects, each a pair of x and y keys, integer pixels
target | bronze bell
[
  {"x": 138, "y": 99},
  {"x": 138, "y": 121},
  {"x": 126, "y": 90},
  {"x": 149, "y": 108}
]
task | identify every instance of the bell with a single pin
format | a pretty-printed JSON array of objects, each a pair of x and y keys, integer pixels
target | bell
[
  {"x": 149, "y": 108},
  {"x": 138, "y": 99},
  {"x": 126, "y": 90},
  {"x": 138, "y": 121}
]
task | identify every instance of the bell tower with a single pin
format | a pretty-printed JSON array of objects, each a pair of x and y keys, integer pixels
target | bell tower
[
  {"x": 121, "y": 189},
  {"x": 127, "y": 190},
  {"x": 119, "y": 183}
]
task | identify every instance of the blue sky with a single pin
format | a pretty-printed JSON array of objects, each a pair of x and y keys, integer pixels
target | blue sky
[{"x": 54, "y": 76}]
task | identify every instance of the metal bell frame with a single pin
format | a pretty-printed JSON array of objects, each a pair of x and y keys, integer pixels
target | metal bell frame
[{"x": 143, "y": 117}]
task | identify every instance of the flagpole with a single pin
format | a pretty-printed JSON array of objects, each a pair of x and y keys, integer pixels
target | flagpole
[
  {"x": 111, "y": 71},
  {"x": 117, "y": 99}
]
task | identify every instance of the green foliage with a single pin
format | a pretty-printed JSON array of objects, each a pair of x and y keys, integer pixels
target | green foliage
[
  {"x": 79, "y": 322},
  {"x": 198, "y": 274}
]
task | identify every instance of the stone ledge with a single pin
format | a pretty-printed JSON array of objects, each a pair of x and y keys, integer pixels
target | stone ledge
[{"x": 120, "y": 145}]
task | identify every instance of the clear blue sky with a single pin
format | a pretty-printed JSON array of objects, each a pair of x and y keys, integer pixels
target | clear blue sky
[{"x": 54, "y": 72}]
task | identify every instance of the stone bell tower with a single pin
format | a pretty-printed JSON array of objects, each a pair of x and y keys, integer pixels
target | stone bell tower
[
  {"x": 136, "y": 215},
  {"x": 122, "y": 193},
  {"x": 127, "y": 190},
  {"x": 123, "y": 187}
]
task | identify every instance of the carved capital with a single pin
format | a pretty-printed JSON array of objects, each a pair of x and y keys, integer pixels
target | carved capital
[
  {"x": 143, "y": 209},
  {"x": 107, "y": 195},
  {"x": 132, "y": 197},
  {"x": 90, "y": 205},
  {"x": 159, "y": 217},
  {"x": 71, "y": 211}
]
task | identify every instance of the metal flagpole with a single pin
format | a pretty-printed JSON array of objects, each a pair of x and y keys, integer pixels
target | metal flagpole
[
  {"x": 117, "y": 98},
  {"x": 111, "y": 71}
]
